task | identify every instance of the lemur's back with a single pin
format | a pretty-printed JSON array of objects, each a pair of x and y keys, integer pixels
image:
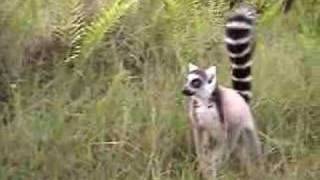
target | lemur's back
[{"x": 235, "y": 109}]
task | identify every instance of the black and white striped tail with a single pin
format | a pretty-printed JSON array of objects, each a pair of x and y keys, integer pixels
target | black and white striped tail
[{"x": 240, "y": 42}]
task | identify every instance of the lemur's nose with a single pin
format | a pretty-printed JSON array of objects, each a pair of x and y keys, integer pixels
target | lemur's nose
[{"x": 187, "y": 92}]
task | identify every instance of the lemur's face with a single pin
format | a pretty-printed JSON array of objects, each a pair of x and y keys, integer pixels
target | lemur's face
[{"x": 200, "y": 82}]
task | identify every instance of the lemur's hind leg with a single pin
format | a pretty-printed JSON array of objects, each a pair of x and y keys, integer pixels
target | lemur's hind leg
[
  {"x": 253, "y": 143},
  {"x": 233, "y": 137},
  {"x": 249, "y": 149}
]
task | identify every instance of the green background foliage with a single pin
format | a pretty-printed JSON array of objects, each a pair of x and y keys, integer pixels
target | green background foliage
[{"x": 91, "y": 89}]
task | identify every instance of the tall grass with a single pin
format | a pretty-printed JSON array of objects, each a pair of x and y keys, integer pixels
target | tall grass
[{"x": 92, "y": 90}]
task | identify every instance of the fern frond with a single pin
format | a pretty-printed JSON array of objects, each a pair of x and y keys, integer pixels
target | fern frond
[
  {"x": 84, "y": 36},
  {"x": 76, "y": 31},
  {"x": 104, "y": 23}
]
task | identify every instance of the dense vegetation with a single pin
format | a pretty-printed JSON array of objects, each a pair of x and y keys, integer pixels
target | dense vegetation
[{"x": 91, "y": 89}]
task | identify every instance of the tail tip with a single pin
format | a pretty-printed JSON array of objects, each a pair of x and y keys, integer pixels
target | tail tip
[{"x": 247, "y": 10}]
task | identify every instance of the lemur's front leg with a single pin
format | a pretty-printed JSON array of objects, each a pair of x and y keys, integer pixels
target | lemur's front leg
[
  {"x": 194, "y": 128},
  {"x": 210, "y": 155},
  {"x": 196, "y": 140}
]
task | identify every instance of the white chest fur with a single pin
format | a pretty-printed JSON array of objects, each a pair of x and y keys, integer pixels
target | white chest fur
[{"x": 207, "y": 118}]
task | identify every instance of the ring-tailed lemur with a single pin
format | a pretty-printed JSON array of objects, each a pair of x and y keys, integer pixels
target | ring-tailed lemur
[{"x": 220, "y": 117}]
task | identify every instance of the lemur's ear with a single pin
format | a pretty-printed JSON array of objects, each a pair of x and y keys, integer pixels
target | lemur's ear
[
  {"x": 192, "y": 67},
  {"x": 211, "y": 72}
]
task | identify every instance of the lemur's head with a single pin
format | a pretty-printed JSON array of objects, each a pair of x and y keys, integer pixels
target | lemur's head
[{"x": 200, "y": 83}]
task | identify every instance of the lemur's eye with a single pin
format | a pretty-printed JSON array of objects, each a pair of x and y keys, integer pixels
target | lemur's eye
[
  {"x": 210, "y": 80},
  {"x": 196, "y": 83}
]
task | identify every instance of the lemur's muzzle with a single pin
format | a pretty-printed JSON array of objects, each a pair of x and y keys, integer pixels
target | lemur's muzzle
[{"x": 187, "y": 92}]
